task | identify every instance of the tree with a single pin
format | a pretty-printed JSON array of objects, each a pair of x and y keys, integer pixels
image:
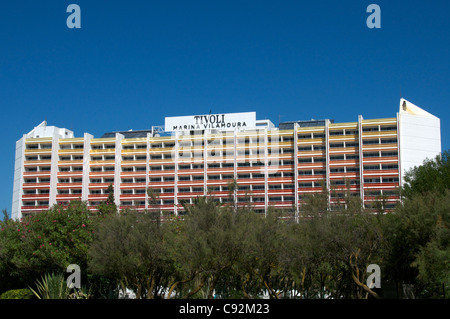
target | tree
[
  {"x": 432, "y": 176},
  {"x": 109, "y": 206},
  {"x": 130, "y": 250},
  {"x": 205, "y": 248},
  {"x": 46, "y": 242},
  {"x": 417, "y": 244}
]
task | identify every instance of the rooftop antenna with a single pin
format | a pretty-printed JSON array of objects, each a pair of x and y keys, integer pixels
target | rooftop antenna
[{"x": 279, "y": 118}]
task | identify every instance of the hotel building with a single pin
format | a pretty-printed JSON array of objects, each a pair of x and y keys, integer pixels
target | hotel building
[{"x": 198, "y": 155}]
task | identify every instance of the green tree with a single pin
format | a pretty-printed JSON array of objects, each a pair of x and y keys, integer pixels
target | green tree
[
  {"x": 417, "y": 234},
  {"x": 432, "y": 176},
  {"x": 130, "y": 250},
  {"x": 46, "y": 242},
  {"x": 109, "y": 206}
]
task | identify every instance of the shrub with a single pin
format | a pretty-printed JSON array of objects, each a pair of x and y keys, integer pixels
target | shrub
[{"x": 17, "y": 294}]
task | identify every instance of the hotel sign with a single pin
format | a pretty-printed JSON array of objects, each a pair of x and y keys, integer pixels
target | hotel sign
[{"x": 222, "y": 121}]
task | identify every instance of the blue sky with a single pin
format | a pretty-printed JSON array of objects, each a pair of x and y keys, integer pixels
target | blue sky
[{"x": 133, "y": 63}]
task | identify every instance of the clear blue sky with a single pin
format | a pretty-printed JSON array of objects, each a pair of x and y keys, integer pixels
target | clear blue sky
[{"x": 134, "y": 62}]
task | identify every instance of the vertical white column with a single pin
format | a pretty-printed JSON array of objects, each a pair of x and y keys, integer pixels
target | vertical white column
[
  {"x": 266, "y": 172},
  {"x": 296, "y": 171},
  {"x": 16, "y": 210},
  {"x": 86, "y": 161},
  {"x": 361, "y": 166},
  {"x": 54, "y": 170},
  {"x": 205, "y": 162},
  {"x": 175, "y": 183},
  {"x": 399, "y": 162},
  {"x": 327, "y": 160},
  {"x": 147, "y": 169},
  {"x": 117, "y": 168}
]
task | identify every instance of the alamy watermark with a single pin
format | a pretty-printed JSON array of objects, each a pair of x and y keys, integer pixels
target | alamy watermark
[
  {"x": 74, "y": 280},
  {"x": 374, "y": 280},
  {"x": 374, "y": 19}
]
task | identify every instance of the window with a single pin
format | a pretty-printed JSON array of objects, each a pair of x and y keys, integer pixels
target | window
[
  {"x": 371, "y": 154},
  {"x": 388, "y": 128},
  {"x": 390, "y": 179},
  {"x": 371, "y": 180},
  {"x": 371, "y": 142},
  {"x": 305, "y": 160},
  {"x": 352, "y": 156},
  {"x": 390, "y": 166},
  {"x": 389, "y": 154},
  {"x": 389, "y": 141},
  {"x": 371, "y": 167},
  {"x": 351, "y": 144},
  {"x": 370, "y": 129}
]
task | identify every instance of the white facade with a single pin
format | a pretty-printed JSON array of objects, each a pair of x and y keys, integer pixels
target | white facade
[
  {"x": 419, "y": 136},
  {"x": 40, "y": 131}
]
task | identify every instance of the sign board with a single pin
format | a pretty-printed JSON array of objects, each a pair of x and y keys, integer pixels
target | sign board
[{"x": 221, "y": 121}]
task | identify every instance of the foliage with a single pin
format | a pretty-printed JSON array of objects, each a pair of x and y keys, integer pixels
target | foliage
[
  {"x": 129, "y": 249},
  {"x": 417, "y": 235},
  {"x": 17, "y": 294},
  {"x": 229, "y": 251},
  {"x": 51, "y": 286},
  {"x": 46, "y": 242},
  {"x": 433, "y": 176},
  {"x": 109, "y": 206}
]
